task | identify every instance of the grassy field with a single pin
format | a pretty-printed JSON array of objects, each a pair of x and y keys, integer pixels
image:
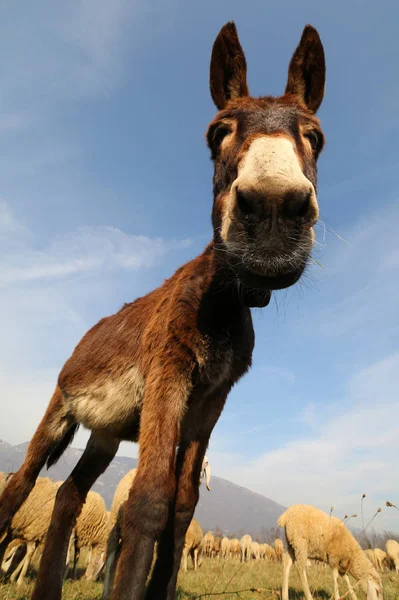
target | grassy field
[{"x": 225, "y": 576}]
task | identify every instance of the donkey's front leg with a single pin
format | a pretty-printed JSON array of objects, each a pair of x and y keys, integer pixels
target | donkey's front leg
[
  {"x": 188, "y": 471},
  {"x": 198, "y": 425},
  {"x": 146, "y": 510}
]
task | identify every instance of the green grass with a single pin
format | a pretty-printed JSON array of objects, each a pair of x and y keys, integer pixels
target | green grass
[{"x": 224, "y": 576}]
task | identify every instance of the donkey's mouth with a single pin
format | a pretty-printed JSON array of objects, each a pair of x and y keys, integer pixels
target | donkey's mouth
[
  {"x": 276, "y": 281},
  {"x": 270, "y": 271}
]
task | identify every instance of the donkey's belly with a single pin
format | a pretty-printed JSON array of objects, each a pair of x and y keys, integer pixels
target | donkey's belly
[{"x": 113, "y": 404}]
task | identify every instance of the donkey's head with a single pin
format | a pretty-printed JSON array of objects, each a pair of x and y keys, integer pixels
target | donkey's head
[{"x": 265, "y": 152}]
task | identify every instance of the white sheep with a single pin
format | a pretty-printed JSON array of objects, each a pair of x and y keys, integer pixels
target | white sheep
[
  {"x": 207, "y": 544},
  {"x": 279, "y": 550},
  {"x": 192, "y": 545},
  {"x": 311, "y": 533},
  {"x": 114, "y": 529},
  {"x": 225, "y": 548},
  {"x": 32, "y": 520},
  {"x": 245, "y": 544},
  {"x": 115, "y": 521},
  {"x": 217, "y": 547},
  {"x": 235, "y": 548},
  {"x": 13, "y": 555},
  {"x": 270, "y": 553},
  {"x": 91, "y": 530},
  {"x": 255, "y": 551},
  {"x": 382, "y": 560},
  {"x": 392, "y": 548}
]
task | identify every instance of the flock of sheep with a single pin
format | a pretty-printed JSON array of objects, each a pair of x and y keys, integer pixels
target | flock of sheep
[{"x": 310, "y": 535}]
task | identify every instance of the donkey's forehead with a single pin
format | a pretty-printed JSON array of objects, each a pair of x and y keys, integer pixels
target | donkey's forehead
[{"x": 267, "y": 114}]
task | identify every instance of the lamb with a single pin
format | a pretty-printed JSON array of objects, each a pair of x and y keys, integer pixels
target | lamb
[
  {"x": 245, "y": 544},
  {"x": 310, "y": 533},
  {"x": 279, "y": 550},
  {"x": 91, "y": 530},
  {"x": 192, "y": 545},
  {"x": 255, "y": 551},
  {"x": 392, "y": 548},
  {"x": 207, "y": 544}
]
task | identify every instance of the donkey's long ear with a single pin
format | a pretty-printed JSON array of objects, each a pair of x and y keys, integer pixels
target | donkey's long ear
[
  {"x": 228, "y": 76},
  {"x": 307, "y": 70}
]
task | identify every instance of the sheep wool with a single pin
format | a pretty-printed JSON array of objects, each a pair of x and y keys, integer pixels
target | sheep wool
[
  {"x": 31, "y": 522},
  {"x": 255, "y": 551},
  {"x": 279, "y": 550},
  {"x": 313, "y": 534},
  {"x": 245, "y": 544},
  {"x": 91, "y": 531},
  {"x": 192, "y": 545},
  {"x": 225, "y": 548},
  {"x": 207, "y": 544},
  {"x": 392, "y": 548},
  {"x": 235, "y": 548},
  {"x": 114, "y": 530}
]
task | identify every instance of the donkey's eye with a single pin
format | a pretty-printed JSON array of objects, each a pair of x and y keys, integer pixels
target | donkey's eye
[
  {"x": 219, "y": 134},
  {"x": 315, "y": 140}
]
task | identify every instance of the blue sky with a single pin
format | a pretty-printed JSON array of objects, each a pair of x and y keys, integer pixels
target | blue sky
[{"x": 105, "y": 189}]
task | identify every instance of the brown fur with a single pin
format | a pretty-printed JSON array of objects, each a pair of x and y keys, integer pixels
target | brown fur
[{"x": 159, "y": 370}]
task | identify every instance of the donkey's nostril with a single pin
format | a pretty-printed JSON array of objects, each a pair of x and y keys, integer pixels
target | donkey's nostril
[
  {"x": 296, "y": 204},
  {"x": 248, "y": 204}
]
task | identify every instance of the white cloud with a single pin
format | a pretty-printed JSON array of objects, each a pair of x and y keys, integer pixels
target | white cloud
[
  {"x": 87, "y": 249},
  {"x": 353, "y": 451},
  {"x": 43, "y": 305}
]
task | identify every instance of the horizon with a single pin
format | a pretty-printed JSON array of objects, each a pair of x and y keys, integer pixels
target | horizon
[
  {"x": 375, "y": 530},
  {"x": 106, "y": 189}
]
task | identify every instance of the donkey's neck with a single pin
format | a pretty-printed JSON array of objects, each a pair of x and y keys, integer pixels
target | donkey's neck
[{"x": 225, "y": 301}]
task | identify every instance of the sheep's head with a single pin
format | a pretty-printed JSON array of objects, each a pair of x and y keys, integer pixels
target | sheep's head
[
  {"x": 96, "y": 563},
  {"x": 206, "y": 472},
  {"x": 372, "y": 585}
]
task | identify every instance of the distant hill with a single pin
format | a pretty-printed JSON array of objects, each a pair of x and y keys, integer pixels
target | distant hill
[{"x": 228, "y": 506}]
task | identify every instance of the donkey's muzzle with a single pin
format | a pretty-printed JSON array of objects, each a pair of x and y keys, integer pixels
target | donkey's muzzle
[{"x": 295, "y": 205}]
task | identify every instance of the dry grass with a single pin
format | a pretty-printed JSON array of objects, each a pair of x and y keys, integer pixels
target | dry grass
[{"x": 224, "y": 576}]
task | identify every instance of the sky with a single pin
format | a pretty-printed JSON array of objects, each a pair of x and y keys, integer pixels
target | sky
[{"x": 105, "y": 189}]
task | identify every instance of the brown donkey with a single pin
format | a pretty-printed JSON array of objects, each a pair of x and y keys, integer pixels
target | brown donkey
[{"x": 160, "y": 369}]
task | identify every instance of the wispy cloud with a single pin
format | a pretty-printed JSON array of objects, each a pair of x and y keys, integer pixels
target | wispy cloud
[
  {"x": 43, "y": 304},
  {"x": 352, "y": 451},
  {"x": 88, "y": 249}
]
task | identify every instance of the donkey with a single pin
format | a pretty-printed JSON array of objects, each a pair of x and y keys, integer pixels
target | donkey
[{"x": 159, "y": 370}]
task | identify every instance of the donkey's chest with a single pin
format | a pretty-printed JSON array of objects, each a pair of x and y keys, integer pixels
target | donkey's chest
[
  {"x": 215, "y": 366},
  {"x": 225, "y": 359}
]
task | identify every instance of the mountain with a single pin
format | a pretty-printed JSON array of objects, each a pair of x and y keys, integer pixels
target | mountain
[{"x": 228, "y": 507}]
